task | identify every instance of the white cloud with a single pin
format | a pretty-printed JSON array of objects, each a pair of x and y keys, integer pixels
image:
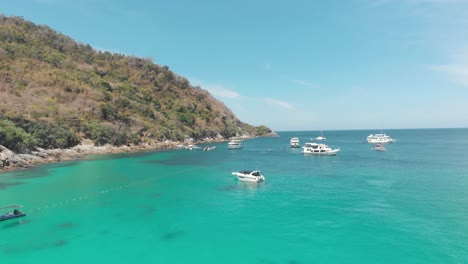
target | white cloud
[
  {"x": 216, "y": 90},
  {"x": 279, "y": 103},
  {"x": 457, "y": 72},
  {"x": 221, "y": 91}
]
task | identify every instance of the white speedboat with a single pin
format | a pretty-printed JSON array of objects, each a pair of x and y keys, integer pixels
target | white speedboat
[
  {"x": 294, "y": 143},
  {"x": 379, "y": 147},
  {"x": 208, "y": 148},
  {"x": 379, "y": 138},
  {"x": 249, "y": 176},
  {"x": 319, "y": 149},
  {"x": 191, "y": 147},
  {"x": 235, "y": 144},
  {"x": 321, "y": 137}
]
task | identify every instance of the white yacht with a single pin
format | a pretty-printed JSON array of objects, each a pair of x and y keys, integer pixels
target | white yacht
[
  {"x": 319, "y": 149},
  {"x": 235, "y": 144},
  {"x": 294, "y": 142},
  {"x": 379, "y": 138},
  {"x": 249, "y": 176}
]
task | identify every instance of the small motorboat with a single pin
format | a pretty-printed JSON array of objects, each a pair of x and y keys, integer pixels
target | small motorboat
[
  {"x": 321, "y": 137},
  {"x": 249, "y": 176},
  {"x": 379, "y": 147},
  {"x": 235, "y": 144},
  {"x": 16, "y": 213},
  {"x": 191, "y": 147},
  {"x": 208, "y": 148},
  {"x": 294, "y": 143}
]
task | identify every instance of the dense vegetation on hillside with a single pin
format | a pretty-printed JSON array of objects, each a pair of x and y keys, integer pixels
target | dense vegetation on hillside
[{"x": 54, "y": 92}]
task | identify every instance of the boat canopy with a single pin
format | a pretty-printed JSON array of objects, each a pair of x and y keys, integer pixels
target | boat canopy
[{"x": 11, "y": 206}]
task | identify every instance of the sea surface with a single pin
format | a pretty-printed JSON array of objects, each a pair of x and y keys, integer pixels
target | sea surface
[{"x": 406, "y": 205}]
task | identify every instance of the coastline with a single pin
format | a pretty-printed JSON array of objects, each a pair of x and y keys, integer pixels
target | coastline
[{"x": 10, "y": 160}]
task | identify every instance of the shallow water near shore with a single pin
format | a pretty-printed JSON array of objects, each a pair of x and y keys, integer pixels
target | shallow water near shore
[{"x": 406, "y": 205}]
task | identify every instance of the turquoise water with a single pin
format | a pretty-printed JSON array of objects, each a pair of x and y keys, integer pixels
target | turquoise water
[{"x": 406, "y": 205}]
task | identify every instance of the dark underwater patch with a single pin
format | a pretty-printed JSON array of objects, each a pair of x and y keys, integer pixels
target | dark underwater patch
[
  {"x": 61, "y": 243},
  {"x": 4, "y": 185},
  {"x": 228, "y": 188},
  {"x": 195, "y": 158},
  {"x": 35, "y": 247},
  {"x": 67, "y": 225},
  {"x": 31, "y": 173},
  {"x": 104, "y": 204},
  {"x": 16, "y": 223},
  {"x": 149, "y": 211},
  {"x": 173, "y": 235}
]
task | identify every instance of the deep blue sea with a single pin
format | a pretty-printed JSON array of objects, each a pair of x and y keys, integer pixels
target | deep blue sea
[{"x": 406, "y": 205}]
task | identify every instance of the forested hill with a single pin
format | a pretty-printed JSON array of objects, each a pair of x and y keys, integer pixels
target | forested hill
[{"x": 55, "y": 92}]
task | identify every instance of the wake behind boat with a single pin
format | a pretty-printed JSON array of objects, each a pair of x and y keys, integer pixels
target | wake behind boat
[
  {"x": 249, "y": 176},
  {"x": 379, "y": 147},
  {"x": 319, "y": 149},
  {"x": 16, "y": 213}
]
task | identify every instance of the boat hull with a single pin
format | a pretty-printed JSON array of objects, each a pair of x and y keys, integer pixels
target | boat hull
[
  {"x": 209, "y": 148},
  {"x": 377, "y": 141},
  {"x": 248, "y": 177},
  {"x": 9, "y": 217},
  {"x": 326, "y": 153},
  {"x": 250, "y": 180},
  {"x": 235, "y": 147}
]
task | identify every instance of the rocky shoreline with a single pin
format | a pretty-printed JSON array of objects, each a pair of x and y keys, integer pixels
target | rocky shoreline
[{"x": 10, "y": 160}]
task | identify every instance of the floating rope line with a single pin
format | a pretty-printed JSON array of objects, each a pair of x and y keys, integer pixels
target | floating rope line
[{"x": 93, "y": 195}]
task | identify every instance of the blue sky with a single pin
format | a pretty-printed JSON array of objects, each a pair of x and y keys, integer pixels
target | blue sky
[{"x": 292, "y": 65}]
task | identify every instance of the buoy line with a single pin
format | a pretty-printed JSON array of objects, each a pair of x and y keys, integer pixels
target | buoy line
[{"x": 92, "y": 195}]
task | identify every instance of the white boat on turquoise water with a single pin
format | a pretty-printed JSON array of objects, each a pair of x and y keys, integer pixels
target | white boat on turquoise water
[
  {"x": 235, "y": 144},
  {"x": 294, "y": 143},
  {"x": 321, "y": 137},
  {"x": 192, "y": 147},
  {"x": 319, "y": 149},
  {"x": 249, "y": 176},
  {"x": 379, "y": 138},
  {"x": 209, "y": 148}
]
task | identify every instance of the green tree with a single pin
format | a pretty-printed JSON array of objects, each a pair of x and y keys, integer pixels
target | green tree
[{"x": 13, "y": 137}]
